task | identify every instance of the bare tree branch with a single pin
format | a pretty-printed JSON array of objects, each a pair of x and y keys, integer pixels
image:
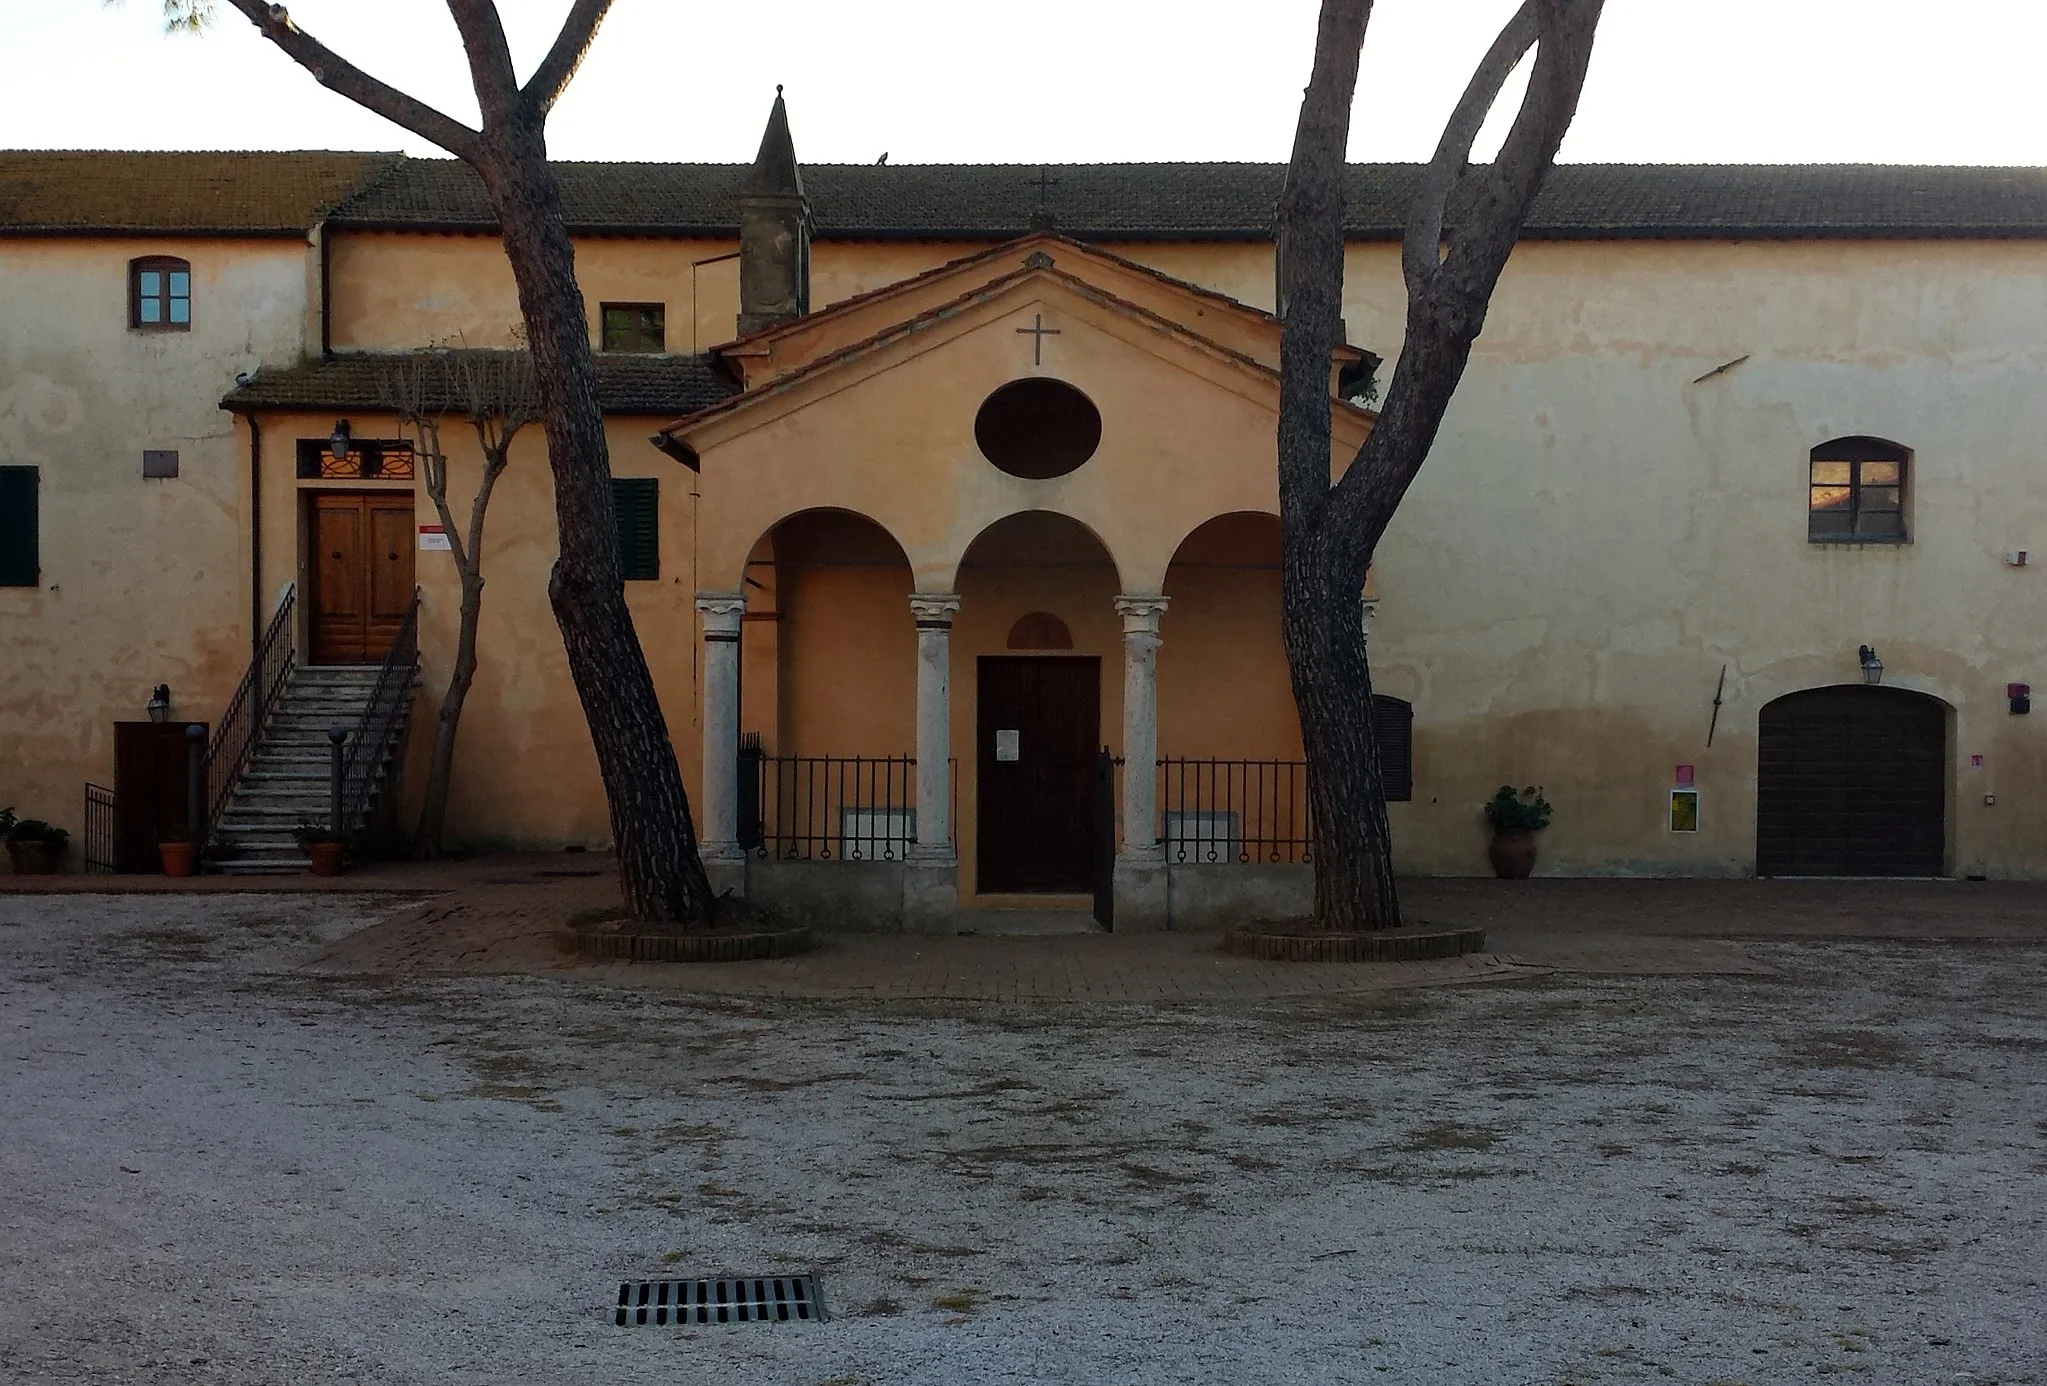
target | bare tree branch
[
  {"x": 490, "y": 58},
  {"x": 546, "y": 84},
  {"x": 337, "y": 74},
  {"x": 1420, "y": 249}
]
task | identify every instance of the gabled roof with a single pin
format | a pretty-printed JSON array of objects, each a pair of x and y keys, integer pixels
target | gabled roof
[
  {"x": 80, "y": 192},
  {"x": 1008, "y": 250},
  {"x": 982, "y": 293},
  {"x": 626, "y": 384},
  {"x": 1215, "y": 201}
]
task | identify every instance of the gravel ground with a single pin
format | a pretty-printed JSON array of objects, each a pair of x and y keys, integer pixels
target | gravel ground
[{"x": 215, "y": 1168}]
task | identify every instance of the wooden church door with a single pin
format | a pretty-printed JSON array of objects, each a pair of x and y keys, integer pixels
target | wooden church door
[{"x": 1039, "y": 722}]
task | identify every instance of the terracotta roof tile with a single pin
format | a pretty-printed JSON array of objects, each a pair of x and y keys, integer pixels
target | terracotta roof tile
[
  {"x": 1136, "y": 202},
  {"x": 70, "y": 192},
  {"x": 655, "y": 385}
]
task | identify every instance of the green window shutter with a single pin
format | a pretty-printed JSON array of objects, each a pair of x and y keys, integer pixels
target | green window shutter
[
  {"x": 638, "y": 501},
  {"x": 20, "y": 563},
  {"x": 1393, "y": 719}
]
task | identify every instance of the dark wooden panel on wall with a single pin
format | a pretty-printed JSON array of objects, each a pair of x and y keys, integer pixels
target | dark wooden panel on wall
[
  {"x": 1035, "y": 814},
  {"x": 151, "y": 781},
  {"x": 1851, "y": 781}
]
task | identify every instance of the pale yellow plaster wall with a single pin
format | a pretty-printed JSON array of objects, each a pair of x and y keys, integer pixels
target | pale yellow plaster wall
[
  {"x": 525, "y": 773},
  {"x": 142, "y": 582},
  {"x": 401, "y": 289},
  {"x": 1600, "y": 530}
]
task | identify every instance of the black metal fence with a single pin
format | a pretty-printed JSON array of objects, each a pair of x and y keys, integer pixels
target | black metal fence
[
  {"x": 1234, "y": 811},
  {"x": 375, "y": 738},
  {"x": 101, "y": 847},
  {"x": 234, "y": 735},
  {"x": 827, "y": 808}
]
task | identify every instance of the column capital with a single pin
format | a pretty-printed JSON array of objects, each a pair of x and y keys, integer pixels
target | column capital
[
  {"x": 934, "y": 610},
  {"x": 722, "y": 612},
  {"x": 1141, "y": 614}
]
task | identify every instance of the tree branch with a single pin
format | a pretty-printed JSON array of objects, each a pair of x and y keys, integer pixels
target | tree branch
[
  {"x": 337, "y": 74},
  {"x": 1420, "y": 248},
  {"x": 546, "y": 84},
  {"x": 1310, "y": 231},
  {"x": 490, "y": 57}
]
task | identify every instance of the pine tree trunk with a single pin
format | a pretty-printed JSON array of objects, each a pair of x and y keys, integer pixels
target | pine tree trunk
[
  {"x": 1323, "y": 625},
  {"x": 660, "y": 870},
  {"x": 1461, "y": 228}
]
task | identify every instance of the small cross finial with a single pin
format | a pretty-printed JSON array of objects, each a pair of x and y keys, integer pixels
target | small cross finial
[{"x": 1038, "y": 332}]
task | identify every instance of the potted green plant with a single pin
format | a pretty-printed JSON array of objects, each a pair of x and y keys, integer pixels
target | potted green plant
[
  {"x": 321, "y": 844},
  {"x": 35, "y": 847},
  {"x": 1516, "y": 815}
]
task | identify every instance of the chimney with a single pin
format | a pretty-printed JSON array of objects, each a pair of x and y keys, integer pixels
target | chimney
[{"x": 774, "y": 232}]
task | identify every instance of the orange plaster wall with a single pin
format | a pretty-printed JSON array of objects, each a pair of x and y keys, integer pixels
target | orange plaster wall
[{"x": 525, "y": 774}]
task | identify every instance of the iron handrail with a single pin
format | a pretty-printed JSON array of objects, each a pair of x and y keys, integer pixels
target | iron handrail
[
  {"x": 383, "y": 717},
  {"x": 236, "y": 733}
]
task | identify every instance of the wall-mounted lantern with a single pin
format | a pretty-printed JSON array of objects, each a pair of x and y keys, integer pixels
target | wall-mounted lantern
[
  {"x": 159, "y": 705},
  {"x": 338, "y": 441},
  {"x": 1872, "y": 667}
]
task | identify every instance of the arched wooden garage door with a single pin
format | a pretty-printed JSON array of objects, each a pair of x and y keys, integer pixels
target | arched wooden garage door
[{"x": 1851, "y": 781}]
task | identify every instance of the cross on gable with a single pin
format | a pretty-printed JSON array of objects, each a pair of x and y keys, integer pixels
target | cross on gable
[
  {"x": 1038, "y": 333},
  {"x": 1045, "y": 183}
]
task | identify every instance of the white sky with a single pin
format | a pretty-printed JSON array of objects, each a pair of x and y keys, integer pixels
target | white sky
[{"x": 930, "y": 81}]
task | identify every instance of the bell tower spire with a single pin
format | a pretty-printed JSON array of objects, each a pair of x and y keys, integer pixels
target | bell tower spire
[{"x": 774, "y": 231}]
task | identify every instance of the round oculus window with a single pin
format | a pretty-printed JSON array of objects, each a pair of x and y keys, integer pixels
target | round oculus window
[{"x": 1038, "y": 428}]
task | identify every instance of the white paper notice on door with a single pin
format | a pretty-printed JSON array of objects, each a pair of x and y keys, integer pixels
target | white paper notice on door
[{"x": 1006, "y": 744}]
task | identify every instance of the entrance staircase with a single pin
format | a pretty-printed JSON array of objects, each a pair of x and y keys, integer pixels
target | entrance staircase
[{"x": 289, "y": 776}]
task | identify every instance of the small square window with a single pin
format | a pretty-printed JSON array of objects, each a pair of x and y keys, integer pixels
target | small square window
[
  {"x": 160, "y": 294},
  {"x": 1856, "y": 492},
  {"x": 636, "y": 327},
  {"x": 159, "y": 462}
]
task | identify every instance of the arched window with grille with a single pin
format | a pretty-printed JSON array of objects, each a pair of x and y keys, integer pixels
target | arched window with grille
[
  {"x": 160, "y": 294},
  {"x": 1857, "y": 492}
]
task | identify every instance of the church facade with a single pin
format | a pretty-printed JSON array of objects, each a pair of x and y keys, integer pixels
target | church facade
[{"x": 948, "y": 503}]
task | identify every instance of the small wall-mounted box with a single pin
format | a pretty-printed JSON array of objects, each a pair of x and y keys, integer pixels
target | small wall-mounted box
[
  {"x": 2021, "y": 695},
  {"x": 2016, "y": 557},
  {"x": 159, "y": 463}
]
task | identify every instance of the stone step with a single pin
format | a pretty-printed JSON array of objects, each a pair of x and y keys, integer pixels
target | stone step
[{"x": 259, "y": 866}]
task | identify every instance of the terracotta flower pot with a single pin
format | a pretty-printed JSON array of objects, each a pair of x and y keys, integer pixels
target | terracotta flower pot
[
  {"x": 326, "y": 858},
  {"x": 33, "y": 858},
  {"x": 1512, "y": 854},
  {"x": 178, "y": 857}
]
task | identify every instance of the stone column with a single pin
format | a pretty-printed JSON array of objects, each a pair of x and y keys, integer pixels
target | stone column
[
  {"x": 1141, "y": 864},
  {"x": 931, "y": 877},
  {"x": 719, "y": 811}
]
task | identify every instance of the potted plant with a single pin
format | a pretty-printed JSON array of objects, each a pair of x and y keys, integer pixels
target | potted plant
[
  {"x": 35, "y": 847},
  {"x": 321, "y": 844},
  {"x": 1516, "y": 816}
]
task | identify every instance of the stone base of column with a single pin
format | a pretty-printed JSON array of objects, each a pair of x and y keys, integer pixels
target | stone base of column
[
  {"x": 1140, "y": 886},
  {"x": 931, "y": 894},
  {"x": 725, "y": 866}
]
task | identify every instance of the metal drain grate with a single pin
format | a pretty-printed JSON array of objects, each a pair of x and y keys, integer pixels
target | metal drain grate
[{"x": 737, "y": 1299}]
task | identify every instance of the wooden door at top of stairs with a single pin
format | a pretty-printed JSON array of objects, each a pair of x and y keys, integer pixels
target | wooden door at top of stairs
[
  {"x": 1038, "y": 727},
  {"x": 362, "y": 573}
]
